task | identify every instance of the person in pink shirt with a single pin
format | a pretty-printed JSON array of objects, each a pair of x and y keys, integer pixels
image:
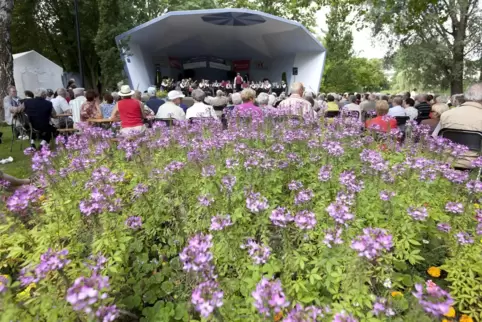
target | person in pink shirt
[{"x": 248, "y": 109}]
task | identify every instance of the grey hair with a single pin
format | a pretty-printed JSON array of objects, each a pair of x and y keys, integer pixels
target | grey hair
[
  {"x": 458, "y": 99},
  {"x": 61, "y": 92},
  {"x": 474, "y": 93},
  {"x": 352, "y": 99},
  {"x": 272, "y": 100},
  {"x": 198, "y": 95},
  {"x": 115, "y": 96},
  {"x": 40, "y": 92},
  {"x": 236, "y": 99},
  {"x": 219, "y": 93},
  {"x": 441, "y": 99},
  {"x": 263, "y": 99}
]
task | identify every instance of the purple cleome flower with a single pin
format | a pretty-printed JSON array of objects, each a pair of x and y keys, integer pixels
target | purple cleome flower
[
  {"x": 454, "y": 207},
  {"x": 325, "y": 173},
  {"x": 380, "y": 307},
  {"x": 208, "y": 171},
  {"x": 205, "y": 200},
  {"x": 333, "y": 236},
  {"x": 339, "y": 212},
  {"x": 3, "y": 284},
  {"x": 86, "y": 291},
  {"x": 258, "y": 253},
  {"x": 269, "y": 297},
  {"x": 295, "y": 185},
  {"x": 372, "y": 243},
  {"x": 333, "y": 148},
  {"x": 304, "y": 196},
  {"x": 386, "y": 195},
  {"x": 23, "y": 197},
  {"x": 433, "y": 299},
  {"x": 419, "y": 214},
  {"x": 139, "y": 190},
  {"x": 464, "y": 238},
  {"x": 343, "y": 317},
  {"x": 51, "y": 261},
  {"x": 206, "y": 297},
  {"x": 107, "y": 313},
  {"x": 228, "y": 183},
  {"x": 220, "y": 222},
  {"x": 474, "y": 186},
  {"x": 444, "y": 227},
  {"x": 256, "y": 203},
  {"x": 304, "y": 314},
  {"x": 305, "y": 220},
  {"x": 281, "y": 217},
  {"x": 134, "y": 222},
  {"x": 196, "y": 256},
  {"x": 348, "y": 179}
]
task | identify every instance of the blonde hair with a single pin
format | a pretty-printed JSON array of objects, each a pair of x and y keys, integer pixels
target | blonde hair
[
  {"x": 297, "y": 88},
  {"x": 381, "y": 107},
  {"x": 248, "y": 94},
  {"x": 440, "y": 108}
]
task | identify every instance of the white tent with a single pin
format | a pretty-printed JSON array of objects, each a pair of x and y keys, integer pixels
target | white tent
[
  {"x": 32, "y": 70},
  {"x": 215, "y": 42}
]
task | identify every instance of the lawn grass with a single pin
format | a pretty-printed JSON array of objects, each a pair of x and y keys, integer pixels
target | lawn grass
[{"x": 21, "y": 165}]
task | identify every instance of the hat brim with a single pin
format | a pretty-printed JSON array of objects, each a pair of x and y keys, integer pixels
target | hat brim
[
  {"x": 177, "y": 96},
  {"x": 126, "y": 94}
]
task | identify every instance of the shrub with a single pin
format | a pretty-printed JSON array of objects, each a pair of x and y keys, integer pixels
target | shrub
[{"x": 280, "y": 220}]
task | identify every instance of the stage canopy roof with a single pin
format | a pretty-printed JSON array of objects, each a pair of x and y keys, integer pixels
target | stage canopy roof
[{"x": 226, "y": 33}]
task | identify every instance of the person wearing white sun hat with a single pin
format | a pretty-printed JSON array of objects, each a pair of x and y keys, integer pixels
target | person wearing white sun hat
[
  {"x": 171, "y": 109},
  {"x": 130, "y": 112}
]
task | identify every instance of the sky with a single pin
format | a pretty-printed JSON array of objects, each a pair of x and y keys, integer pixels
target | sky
[{"x": 364, "y": 44}]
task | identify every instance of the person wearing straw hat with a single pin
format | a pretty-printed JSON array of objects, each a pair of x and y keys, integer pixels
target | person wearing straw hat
[
  {"x": 130, "y": 112},
  {"x": 171, "y": 109}
]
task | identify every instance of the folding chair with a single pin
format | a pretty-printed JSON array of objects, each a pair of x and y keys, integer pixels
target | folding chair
[
  {"x": 21, "y": 126},
  {"x": 471, "y": 139}
]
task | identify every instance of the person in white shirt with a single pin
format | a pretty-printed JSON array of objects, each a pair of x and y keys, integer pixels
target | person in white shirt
[
  {"x": 397, "y": 109},
  {"x": 199, "y": 109},
  {"x": 354, "y": 107},
  {"x": 410, "y": 110},
  {"x": 11, "y": 104},
  {"x": 61, "y": 106},
  {"x": 76, "y": 104},
  {"x": 171, "y": 109}
]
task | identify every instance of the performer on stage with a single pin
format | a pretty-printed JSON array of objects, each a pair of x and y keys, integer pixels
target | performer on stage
[
  {"x": 229, "y": 87},
  {"x": 267, "y": 86},
  {"x": 238, "y": 81}
]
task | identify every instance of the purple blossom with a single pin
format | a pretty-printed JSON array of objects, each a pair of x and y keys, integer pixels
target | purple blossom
[
  {"x": 374, "y": 159},
  {"x": 304, "y": 314},
  {"x": 86, "y": 291},
  {"x": 107, "y": 313},
  {"x": 339, "y": 212},
  {"x": 23, "y": 197},
  {"x": 51, "y": 261},
  {"x": 333, "y": 148},
  {"x": 348, "y": 179},
  {"x": 231, "y": 163},
  {"x": 474, "y": 186},
  {"x": 206, "y": 297},
  {"x": 454, "y": 207},
  {"x": 220, "y": 222},
  {"x": 281, "y": 217},
  {"x": 134, "y": 222},
  {"x": 196, "y": 256},
  {"x": 305, "y": 220},
  {"x": 380, "y": 307},
  {"x": 386, "y": 195},
  {"x": 228, "y": 183},
  {"x": 3, "y": 284},
  {"x": 333, "y": 236},
  {"x": 419, "y": 214},
  {"x": 372, "y": 243},
  {"x": 269, "y": 297},
  {"x": 208, "y": 171},
  {"x": 433, "y": 299},
  {"x": 304, "y": 196},
  {"x": 139, "y": 190},
  {"x": 27, "y": 276},
  {"x": 444, "y": 227},
  {"x": 325, "y": 173},
  {"x": 464, "y": 238},
  {"x": 258, "y": 253},
  {"x": 477, "y": 163},
  {"x": 295, "y": 185},
  {"x": 343, "y": 317},
  {"x": 99, "y": 261},
  {"x": 205, "y": 200},
  {"x": 256, "y": 203}
]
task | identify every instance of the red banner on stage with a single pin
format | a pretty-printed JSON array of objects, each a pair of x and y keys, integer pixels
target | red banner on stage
[
  {"x": 239, "y": 65},
  {"x": 174, "y": 62}
]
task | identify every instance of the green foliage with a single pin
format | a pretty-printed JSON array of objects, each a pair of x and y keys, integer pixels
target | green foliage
[{"x": 144, "y": 269}]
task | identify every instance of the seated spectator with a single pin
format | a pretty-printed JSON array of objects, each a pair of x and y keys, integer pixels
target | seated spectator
[
  {"x": 130, "y": 111},
  {"x": 76, "y": 104},
  {"x": 382, "y": 122},
  {"x": 11, "y": 105},
  {"x": 368, "y": 105},
  {"x": 247, "y": 108},
  {"x": 295, "y": 104},
  {"x": 410, "y": 111},
  {"x": 199, "y": 109},
  {"x": 468, "y": 116},
  {"x": 153, "y": 102},
  {"x": 171, "y": 109},
  {"x": 272, "y": 100},
  {"x": 423, "y": 107},
  {"x": 107, "y": 106},
  {"x": 263, "y": 102},
  {"x": 353, "y": 106},
  {"x": 437, "y": 111},
  {"x": 62, "y": 107},
  {"x": 457, "y": 100},
  {"x": 440, "y": 99},
  {"x": 220, "y": 100},
  {"x": 39, "y": 112},
  {"x": 138, "y": 96},
  {"x": 331, "y": 106},
  {"x": 89, "y": 109},
  {"x": 397, "y": 109}
]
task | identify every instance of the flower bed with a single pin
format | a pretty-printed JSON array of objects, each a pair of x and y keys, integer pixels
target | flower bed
[{"x": 279, "y": 221}]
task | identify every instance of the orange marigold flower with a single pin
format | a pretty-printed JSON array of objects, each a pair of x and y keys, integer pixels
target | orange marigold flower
[
  {"x": 445, "y": 320},
  {"x": 396, "y": 293},
  {"x": 450, "y": 313},
  {"x": 434, "y": 271},
  {"x": 465, "y": 318}
]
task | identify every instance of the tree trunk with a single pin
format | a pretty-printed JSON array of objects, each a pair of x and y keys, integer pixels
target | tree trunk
[
  {"x": 6, "y": 59},
  {"x": 457, "y": 79}
]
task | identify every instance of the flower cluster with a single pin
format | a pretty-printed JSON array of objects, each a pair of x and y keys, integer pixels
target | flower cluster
[
  {"x": 305, "y": 219},
  {"x": 101, "y": 199},
  {"x": 269, "y": 297},
  {"x": 333, "y": 236},
  {"x": 454, "y": 207},
  {"x": 281, "y": 217},
  {"x": 139, "y": 190},
  {"x": 433, "y": 299},
  {"x": 325, "y": 173},
  {"x": 208, "y": 171},
  {"x": 3, "y": 284},
  {"x": 372, "y": 243},
  {"x": 343, "y": 317},
  {"x": 206, "y": 297},
  {"x": 464, "y": 238},
  {"x": 205, "y": 200},
  {"x": 419, "y": 214},
  {"x": 134, "y": 222},
  {"x": 23, "y": 197},
  {"x": 107, "y": 313},
  {"x": 86, "y": 291},
  {"x": 333, "y": 148},
  {"x": 256, "y": 203},
  {"x": 295, "y": 185},
  {"x": 348, "y": 179},
  {"x": 340, "y": 212},
  {"x": 380, "y": 307},
  {"x": 386, "y": 195},
  {"x": 304, "y": 196},
  {"x": 258, "y": 253},
  {"x": 196, "y": 257},
  {"x": 49, "y": 261},
  {"x": 220, "y": 222},
  {"x": 305, "y": 314},
  {"x": 228, "y": 183}
]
